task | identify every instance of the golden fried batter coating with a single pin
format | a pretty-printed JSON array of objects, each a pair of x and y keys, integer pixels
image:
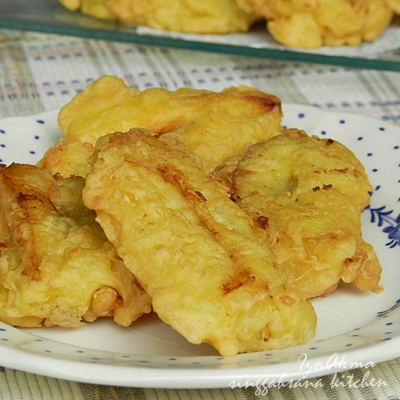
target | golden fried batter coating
[
  {"x": 199, "y": 256},
  {"x": 306, "y": 24},
  {"x": 207, "y": 16},
  {"x": 94, "y": 8},
  {"x": 395, "y": 5},
  {"x": 308, "y": 193},
  {"x": 316, "y": 23},
  {"x": 215, "y": 125},
  {"x": 56, "y": 265}
]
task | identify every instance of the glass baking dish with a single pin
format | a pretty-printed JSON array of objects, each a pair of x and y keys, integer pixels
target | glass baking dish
[{"x": 50, "y": 17}]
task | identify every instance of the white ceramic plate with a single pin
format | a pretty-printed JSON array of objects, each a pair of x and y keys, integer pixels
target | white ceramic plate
[{"x": 355, "y": 329}]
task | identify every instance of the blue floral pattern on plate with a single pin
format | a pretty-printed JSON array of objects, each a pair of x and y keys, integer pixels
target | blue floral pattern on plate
[{"x": 383, "y": 217}]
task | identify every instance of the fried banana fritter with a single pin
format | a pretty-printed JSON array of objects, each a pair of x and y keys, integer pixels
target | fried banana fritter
[
  {"x": 201, "y": 258},
  {"x": 308, "y": 193},
  {"x": 316, "y": 23},
  {"x": 209, "y": 16},
  {"x": 214, "y": 125},
  {"x": 308, "y": 24},
  {"x": 56, "y": 265}
]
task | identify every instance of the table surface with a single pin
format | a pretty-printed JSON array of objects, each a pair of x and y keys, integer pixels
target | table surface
[{"x": 42, "y": 71}]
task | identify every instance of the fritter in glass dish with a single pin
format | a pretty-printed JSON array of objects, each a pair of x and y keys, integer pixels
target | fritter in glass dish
[
  {"x": 208, "y": 16},
  {"x": 315, "y": 23}
]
